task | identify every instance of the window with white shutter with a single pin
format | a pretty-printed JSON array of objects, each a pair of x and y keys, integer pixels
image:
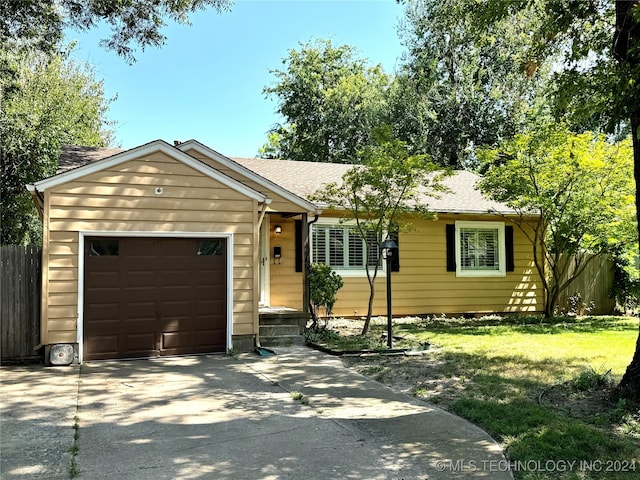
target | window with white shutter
[
  {"x": 340, "y": 247},
  {"x": 480, "y": 249}
]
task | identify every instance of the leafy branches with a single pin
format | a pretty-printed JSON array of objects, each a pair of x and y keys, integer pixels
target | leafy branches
[
  {"x": 382, "y": 194},
  {"x": 39, "y": 24},
  {"x": 47, "y": 102},
  {"x": 580, "y": 185},
  {"x": 467, "y": 85},
  {"x": 324, "y": 283},
  {"x": 330, "y": 100}
]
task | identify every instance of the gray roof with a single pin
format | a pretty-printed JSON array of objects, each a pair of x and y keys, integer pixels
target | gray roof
[
  {"x": 72, "y": 156},
  {"x": 301, "y": 178},
  {"x": 305, "y": 178}
]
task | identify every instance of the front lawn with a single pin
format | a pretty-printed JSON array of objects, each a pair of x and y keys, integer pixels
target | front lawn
[{"x": 539, "y": 387}]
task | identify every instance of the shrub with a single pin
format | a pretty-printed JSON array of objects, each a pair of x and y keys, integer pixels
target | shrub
[{"x": 324, "y": 284}]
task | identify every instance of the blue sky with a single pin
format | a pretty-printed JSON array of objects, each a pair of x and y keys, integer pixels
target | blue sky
[{"x": 206, "y": 82}]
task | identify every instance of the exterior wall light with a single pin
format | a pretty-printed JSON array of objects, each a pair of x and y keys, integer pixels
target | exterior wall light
[{"x": 277, "y": 229}]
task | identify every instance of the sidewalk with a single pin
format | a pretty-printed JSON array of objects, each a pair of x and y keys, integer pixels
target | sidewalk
[{"x": 414, "y": 440}]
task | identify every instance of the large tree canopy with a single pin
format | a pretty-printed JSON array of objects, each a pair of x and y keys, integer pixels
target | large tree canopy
[
  {"x": 590, "y": 88},
  {"x": 40, "y": 23},
  {"x": 460, "y": 87},
  {"x": 580, "y": 185},
  {"x": 330, "y": 100},
  {"x": 47, "y": 101}
]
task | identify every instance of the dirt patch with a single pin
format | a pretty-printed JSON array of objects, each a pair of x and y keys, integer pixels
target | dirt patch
[
  {"x": 421, "y": 376},
  {"x": 586, "y": 406}
]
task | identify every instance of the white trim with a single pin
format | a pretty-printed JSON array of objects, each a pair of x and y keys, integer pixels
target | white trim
[
  {"x": 140, "y": 234},
  {"x": 264, "y": 294},
  {"x": 147, "y": 149},
  {"x": 344, "y": 272},
  {"x": 502, "y": 256},
  {"x": 250, "y": 174}
]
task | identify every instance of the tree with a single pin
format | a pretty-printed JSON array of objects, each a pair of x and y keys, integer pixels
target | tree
[
  {"x": 626, "y": 49},
  {"x": 596, "y": 45},
  {"x": 381, "y": 195},
  {"x": 580, "y": 188},
  {"x": 460, "y": 88},
  {"x": 40, "y": 24},
  {"x": 47, "y": 101},
  {"x": 330, "y": 101}
]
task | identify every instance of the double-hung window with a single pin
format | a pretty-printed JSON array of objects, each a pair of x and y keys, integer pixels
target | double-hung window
[
  {"x": 340, "y": 247},
  {"x": 480, "y": 249}
]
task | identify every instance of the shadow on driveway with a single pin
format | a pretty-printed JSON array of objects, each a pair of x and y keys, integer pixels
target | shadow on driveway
[{"x": 217, "y": 417}]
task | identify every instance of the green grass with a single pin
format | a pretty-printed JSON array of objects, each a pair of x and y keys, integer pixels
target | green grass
[{"x": 539, "y": 387}]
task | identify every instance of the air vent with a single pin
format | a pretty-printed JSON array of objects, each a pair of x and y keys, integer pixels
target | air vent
[{"x": 61, "y": 354}]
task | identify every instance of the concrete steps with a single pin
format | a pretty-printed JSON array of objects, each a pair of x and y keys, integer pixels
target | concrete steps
[{"x": 282, "y": 327}]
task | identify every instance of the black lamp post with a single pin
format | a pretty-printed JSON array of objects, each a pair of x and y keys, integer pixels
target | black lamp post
[{"x": 389, "y": 249}]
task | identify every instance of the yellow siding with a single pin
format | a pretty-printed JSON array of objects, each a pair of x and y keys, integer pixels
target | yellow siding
[
  {"x": 123, "y": 199},
  {"x": 423, "y": 286},
  {"x": 286, "y": 283}
]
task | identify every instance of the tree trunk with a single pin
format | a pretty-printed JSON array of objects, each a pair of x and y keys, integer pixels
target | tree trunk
[
  {"x": 629, "y": 387},
  {"x": 626, "y": 38},
  {"x": 365, "y": 327}
]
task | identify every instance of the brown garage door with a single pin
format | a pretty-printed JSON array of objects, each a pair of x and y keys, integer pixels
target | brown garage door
[{"x": 147, "y": 297}]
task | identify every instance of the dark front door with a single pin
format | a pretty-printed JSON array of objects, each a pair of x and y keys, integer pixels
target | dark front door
[{"x": 147, "y": 297}]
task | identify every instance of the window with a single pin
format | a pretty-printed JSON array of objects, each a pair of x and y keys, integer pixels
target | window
[
  {"x": 106, "y": 247},
  {"x": 480, "y": 249},
  {"x": 340, "y": 247},
  {"x": 211, "y": 247}
]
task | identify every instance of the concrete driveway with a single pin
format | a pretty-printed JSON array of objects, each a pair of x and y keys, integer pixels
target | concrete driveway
[{"x": 216, "y": 417}]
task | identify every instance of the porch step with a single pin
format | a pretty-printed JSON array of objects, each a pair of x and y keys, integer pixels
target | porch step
[{"x": 282, "y": 328}]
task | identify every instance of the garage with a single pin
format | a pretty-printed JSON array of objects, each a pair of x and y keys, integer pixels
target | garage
[{"x": 148, "y": 297}]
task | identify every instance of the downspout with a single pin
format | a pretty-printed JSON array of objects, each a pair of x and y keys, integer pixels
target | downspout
[
  {"x": 38, "y": 199},
  {"x": 307, "y": 265}
]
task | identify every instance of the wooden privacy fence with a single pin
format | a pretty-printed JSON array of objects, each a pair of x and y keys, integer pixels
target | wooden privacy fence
[
  {"x": 20, "y": 285},
  {"x": 589, "y": 292}
]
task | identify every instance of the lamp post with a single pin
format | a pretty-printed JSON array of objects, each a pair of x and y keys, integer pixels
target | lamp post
[{"x": 389, "y": 249}]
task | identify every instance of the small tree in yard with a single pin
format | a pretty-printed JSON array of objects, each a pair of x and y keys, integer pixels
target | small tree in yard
[
  {"x": 581, "y": 189},
  {"x": 379, "y": 193}
]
